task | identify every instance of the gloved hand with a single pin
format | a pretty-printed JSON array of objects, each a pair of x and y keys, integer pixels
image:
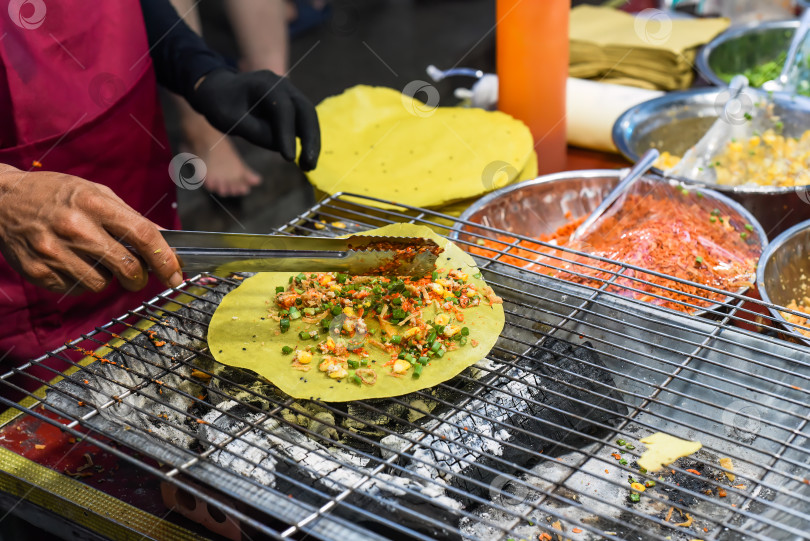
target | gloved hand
[{"x": 262, "y": 107}]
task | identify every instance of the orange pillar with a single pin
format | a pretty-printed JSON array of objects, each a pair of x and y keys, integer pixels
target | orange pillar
[{"x": 532, "y": 65}]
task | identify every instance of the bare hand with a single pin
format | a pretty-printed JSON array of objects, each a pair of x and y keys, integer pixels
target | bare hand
[{"x": 59, "y": 232}]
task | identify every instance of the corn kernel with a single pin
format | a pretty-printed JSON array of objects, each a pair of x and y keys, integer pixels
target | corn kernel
[
  {"x": 410, "y": 333},
  {"x": 451, "y": 330},
  {"x": 401, "y": 366},
  {"x": 442, "y": 319},
  {"x": 437, "y": 288},
  {"x": 302, "y": 357},
  {"x": 638, "y": 487},
  {"x": 349, "y": 311}
]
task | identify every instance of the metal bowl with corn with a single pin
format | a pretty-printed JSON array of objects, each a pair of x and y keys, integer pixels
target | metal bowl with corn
[{"x": 783, "y": 278}]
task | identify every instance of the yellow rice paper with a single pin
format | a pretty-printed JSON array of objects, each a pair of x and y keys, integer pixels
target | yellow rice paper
[
  {"x": 378, "y": 142},
  {"x": 238, "y": 336}
]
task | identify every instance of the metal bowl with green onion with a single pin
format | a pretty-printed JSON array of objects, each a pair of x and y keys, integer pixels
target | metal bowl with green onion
[{"x": 756, "y": 50}]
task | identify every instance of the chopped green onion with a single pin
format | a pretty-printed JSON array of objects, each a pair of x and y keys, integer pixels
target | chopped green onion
[
  {"x": 439, "y": 329},
  {"x": 294, "y": 313},
  {"x": 462, "y": 341},
  {"x": 396, "y": 339},
  {"x": 309, "y": 311},
  {"x": 477, "y": 275},
  {"x": 435, "y": 275},
  {"x": 649, "y": 484},
  {"x": 431, "y": 336},
  {"x": 364, "y": 362},
  {"x": 377, "y": 290},
  {"x": 465, "y": 331},
  {"x": 417, "y": 371},
  {"x": 623, "y": 462},
  {"x": 716, "y": 212},
  {"x": 290, "y": 280},
  {"x": 326, "y": 322},
  {"x": 635, "y": 497},
  {"x": 357, "y": 379},
  {"x": 642, "y": 470},
  {"x": 284, "y": 324},
  {"x": 341, "y": 278},
  {"x": 284, "y": 313},
  {"x": 440, "y": 353},
  {"x": 435, "y": 347},
  {"x": 336, "y": 310},
  {"x": 280, "y": 289},
  {"x": 743, "y": 235},
  {"x": 698, "y": 260},
  {"x": 629, "y": 447},
  {"x": 749, "y": 227},
  {"x": 396, "y": 301},
  {"x": 408, "y": 357},
  {"x": 299, "y": 291},
  {"x": 286, "y": 350},
  {"x": 300, "y": 278},
  {"x": 621, "y": 442},
  {"x": 423, "y": 359},
  {"x": 303, "y": 335},
  {"x": 399, "y": 313},
  {"x": 353, "y": 363},
  {"x": 713, "y": 219}
]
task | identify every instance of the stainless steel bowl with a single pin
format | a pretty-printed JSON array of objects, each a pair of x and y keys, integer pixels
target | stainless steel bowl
[
  {"x": 541, "y": 206},
  {"x": 677, "y": 120},
  {"x": 742, "y": 47},
  {"x": 783, "y": 272}
]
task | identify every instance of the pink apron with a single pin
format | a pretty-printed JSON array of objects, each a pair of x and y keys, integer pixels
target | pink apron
[{"x": 78, "y": 96}]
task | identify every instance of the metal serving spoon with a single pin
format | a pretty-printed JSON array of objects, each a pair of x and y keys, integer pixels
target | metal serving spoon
[{"x": 642, "y": 166}]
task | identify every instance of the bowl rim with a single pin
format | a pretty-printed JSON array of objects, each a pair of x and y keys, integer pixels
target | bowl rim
[
  {"x": 776, "y": 244},
  {"x": 733, "y": 32},
  {"x": 623, "y": 127}
]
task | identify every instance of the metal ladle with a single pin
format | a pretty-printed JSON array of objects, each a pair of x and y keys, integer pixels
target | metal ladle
[{"x": 642, "y": 166}]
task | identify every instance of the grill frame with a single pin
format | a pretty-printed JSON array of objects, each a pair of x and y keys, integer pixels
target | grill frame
[{"x": 322, "y": 521}]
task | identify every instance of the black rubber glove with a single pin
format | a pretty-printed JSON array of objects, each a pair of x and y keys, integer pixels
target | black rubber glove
[{"x": 262, "y": 107}]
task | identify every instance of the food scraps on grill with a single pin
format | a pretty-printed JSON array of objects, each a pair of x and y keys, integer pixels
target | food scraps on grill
[
  {"x": 664, "y": 449},
  {"x": 669, "y": 231},
  {"x": 338, "y": 337}
]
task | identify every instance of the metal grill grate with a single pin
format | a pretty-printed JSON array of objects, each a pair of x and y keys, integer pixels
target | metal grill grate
[{"x": 519, "y": 446}]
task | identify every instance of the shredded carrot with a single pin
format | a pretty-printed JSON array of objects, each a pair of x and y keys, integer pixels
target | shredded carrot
[
  {"x": 721, "y": 492},
  {"x": 669, "y": 235},
  {"x": 576, "y": 530},
  {"x": 617, "y": 456},
  {"x": 741, "y": 487},
  {"x": 690, "y": 470},
  {"x": 669, "y": 514}
]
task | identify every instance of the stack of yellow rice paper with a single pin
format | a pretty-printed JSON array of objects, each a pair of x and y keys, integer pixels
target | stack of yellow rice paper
[{"x": 381, "y": 143}]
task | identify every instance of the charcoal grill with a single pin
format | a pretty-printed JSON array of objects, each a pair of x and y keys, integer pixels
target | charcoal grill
[{"x": 522, "y": 446}]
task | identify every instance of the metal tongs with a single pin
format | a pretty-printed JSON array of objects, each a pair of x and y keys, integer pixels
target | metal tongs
[{"x": 222, "y": 253}]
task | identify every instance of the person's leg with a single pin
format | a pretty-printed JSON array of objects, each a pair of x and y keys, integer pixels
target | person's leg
[
  {"x": 261, "y": 32},
  {"x": 228, "y": 174}
]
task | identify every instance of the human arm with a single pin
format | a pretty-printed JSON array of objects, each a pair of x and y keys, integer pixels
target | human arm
[
  {"x": 65, "y": 234},
  {"x": 260, "y": 106}
]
